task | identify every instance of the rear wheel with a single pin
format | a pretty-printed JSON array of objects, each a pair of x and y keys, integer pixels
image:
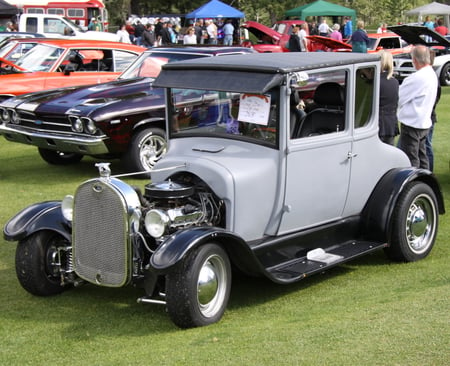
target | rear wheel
[
  {"x": 147, "y": 147},
  {"x": 197, "y": 291},
  {"x": 414, "y": 224},
  {"x": 38, "y": 264},
  {"x": 55, "y": 157}
]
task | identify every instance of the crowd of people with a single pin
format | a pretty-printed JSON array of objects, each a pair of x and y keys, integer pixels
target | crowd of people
[{"x": 165, "y": 32}]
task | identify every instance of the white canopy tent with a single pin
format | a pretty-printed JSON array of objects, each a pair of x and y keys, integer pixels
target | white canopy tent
[{"x": 431, "y": 9}]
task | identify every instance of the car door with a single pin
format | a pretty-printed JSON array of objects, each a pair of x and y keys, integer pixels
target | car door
[{"x": 317, "y": 161}]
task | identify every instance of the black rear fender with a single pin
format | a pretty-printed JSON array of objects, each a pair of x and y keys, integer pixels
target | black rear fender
[{"x": 378, "y": 211}]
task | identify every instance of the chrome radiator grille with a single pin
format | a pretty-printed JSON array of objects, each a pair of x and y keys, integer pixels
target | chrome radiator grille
[{"x": 100, "y": 234}]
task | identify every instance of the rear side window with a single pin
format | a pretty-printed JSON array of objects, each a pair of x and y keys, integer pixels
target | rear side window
[
  {"x": 122, "y": 60},
  {"x": 364, "y": 96},
  {"x": 32, "y": 25}
]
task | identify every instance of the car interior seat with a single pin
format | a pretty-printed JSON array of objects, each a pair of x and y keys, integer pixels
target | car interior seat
[
  {"x": 75, "y": 63},
  {"x": 328, "y": 115},
  {"x": 97, "y": 65},
  {"x": 296, "y": 115}
]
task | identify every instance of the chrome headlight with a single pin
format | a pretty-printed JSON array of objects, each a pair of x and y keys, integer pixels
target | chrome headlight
[
  {"x": 90, "y": 126},
  {"x": 67, "y": 208},
  {"x": 15, "y": 117},
  {"x": 5, "y": 116},
  {"x": 156, "y": 222},
  {"x": 76, "y": 123}
]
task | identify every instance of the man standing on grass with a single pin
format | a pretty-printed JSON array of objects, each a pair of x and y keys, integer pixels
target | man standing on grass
[{"x": 417, "y": 95}]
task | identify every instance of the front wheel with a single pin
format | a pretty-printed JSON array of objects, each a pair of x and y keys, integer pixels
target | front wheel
[
  {"x": 197, "y": 291},
  {"x": 444, "y": 78},
  {"x": 147, "y": 147},
  {"x": 55, "y": 157},
  {"x": 38, "y": 263},
  {"x": 414, "y": 224}
]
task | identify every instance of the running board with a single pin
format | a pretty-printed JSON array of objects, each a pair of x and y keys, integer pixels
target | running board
[{"x": 319, "y": 260}]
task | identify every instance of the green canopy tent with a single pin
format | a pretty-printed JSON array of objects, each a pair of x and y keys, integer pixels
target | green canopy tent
[{"x": 321, "y": 8}]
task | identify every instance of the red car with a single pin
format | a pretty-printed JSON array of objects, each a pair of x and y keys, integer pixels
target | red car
[
  {"x": 264, "y": 39},
  {"x": 378, "y": 41},
  {"x": 57, "y": 63}
]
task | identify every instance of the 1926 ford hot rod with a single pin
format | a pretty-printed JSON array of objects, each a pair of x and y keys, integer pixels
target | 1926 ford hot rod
[{"x": 274, "y": 167}]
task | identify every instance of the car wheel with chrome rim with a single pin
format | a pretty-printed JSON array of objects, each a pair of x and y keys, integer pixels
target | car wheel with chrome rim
[
  {"x": 146, "y": 148},
  {"x": 414, "y": 224},
  {"x": 197, "y": 291}
]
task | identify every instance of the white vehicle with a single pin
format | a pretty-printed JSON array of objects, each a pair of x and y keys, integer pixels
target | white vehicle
[
  {"x": 80, "y": 10},
  {"x": 416, "y": 34},
  {"x": 56, "y": 26}
]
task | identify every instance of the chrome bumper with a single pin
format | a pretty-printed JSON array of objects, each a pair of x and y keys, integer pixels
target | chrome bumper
[{"x": 88, "y": 145}]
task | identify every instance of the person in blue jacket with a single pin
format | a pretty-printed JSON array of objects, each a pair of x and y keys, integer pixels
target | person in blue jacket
[{"x": 360, "y": 40}]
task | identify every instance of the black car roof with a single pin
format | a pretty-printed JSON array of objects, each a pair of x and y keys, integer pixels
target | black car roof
[
  {"x": 250, "y": 73},
  {"x": 206, "y": 49}
]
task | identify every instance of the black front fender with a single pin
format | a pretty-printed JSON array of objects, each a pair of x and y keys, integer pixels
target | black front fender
[
  {"x": 37, "y": 217},
  {"x": 378, "y": 211},
  {"x": 181, "y": 243}
]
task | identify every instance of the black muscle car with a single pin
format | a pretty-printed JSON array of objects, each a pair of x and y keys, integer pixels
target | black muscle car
[{"x": 122, "y": 119}]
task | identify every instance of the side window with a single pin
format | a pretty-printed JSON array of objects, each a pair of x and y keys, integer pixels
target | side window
[
  {"x": 75, "y": 13},
  {"x": 317, "y": 104},
  {"x": 56, "y": 11},
  {"x": 122, "y": 60},
  {"x": 364, "y": 96},
  {"x": 389, "y": 43},
  {"x": 35, "y": 11},
  {"x": 55, "y": 26},
  {"x": 32, "y": 25}
]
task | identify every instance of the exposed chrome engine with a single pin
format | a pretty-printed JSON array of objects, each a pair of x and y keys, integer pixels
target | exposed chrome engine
[
  {"x": 116, "y": 251},
  {"x": 177, "y": 205}
]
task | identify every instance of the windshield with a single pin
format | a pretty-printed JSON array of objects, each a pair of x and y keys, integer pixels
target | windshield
[
  {"x": 12, "y": 51},
  {"x": 40, "y": 58},
  {"x": 240, "y": 116},
  {"x": 149, "y": 64}
]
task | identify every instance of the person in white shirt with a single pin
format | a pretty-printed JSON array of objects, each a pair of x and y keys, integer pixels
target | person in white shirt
[
  {"x": 124, "y": 36},
  {"x": 190, "y": 37},
  {"x": 211, "y": 29},
  {"x": 302, "y": 35},
  {"x": 324, "y": 29},
  {"x": 417, "y": 95}
]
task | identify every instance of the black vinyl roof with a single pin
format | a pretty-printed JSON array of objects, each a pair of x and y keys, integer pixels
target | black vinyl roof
[{"x": 252, "y": 73}]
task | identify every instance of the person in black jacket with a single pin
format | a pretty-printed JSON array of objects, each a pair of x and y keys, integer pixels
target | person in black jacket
[
  {"x": 164, "y": 37},
  {"x": 294, "y": 40},
  {"x": 388, "y": 123},
  {"x": 149, "y": 36}
]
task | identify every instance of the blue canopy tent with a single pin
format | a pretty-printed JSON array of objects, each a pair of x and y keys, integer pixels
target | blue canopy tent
[{"x": 215, "y": 9}]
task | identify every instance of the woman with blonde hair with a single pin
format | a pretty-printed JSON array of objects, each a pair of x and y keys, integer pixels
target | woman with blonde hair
[
  {"x": 190, "y": 36},
  {"x": 388, "y": 123},
  {"x": 360, "y": 40}
]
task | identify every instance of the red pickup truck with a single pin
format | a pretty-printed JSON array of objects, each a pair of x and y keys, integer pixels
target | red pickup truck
[{"x": 265, "y": 39}]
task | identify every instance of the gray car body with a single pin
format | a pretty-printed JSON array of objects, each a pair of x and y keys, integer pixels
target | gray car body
[{"x": 302, "y": 184}]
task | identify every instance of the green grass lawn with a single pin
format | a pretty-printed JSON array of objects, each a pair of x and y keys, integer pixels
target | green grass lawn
[{"x": 368, "y": 312}]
